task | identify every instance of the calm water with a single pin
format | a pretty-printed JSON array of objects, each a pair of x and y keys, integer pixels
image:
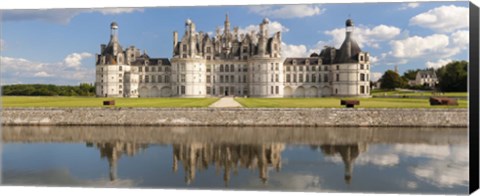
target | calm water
[{"x": 402, "y": 160}]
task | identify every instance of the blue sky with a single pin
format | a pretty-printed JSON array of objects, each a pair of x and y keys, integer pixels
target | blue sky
[{"x": 59, "y": 46}]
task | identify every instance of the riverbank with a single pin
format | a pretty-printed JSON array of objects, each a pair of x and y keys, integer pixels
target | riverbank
[{"x": 328, "y": 117}]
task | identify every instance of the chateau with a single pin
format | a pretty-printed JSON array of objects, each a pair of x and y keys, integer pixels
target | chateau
[{"x": 231, "y": 63}]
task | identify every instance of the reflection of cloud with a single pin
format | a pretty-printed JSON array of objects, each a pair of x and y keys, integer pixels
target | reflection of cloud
[
  {"x": 383, "y": 159},
  {"x": 58, "y": 177},
  {"x": 448, "y": 168},
  {"x": 447, "y": 173},
  {"x": 423, "y": 150},
  {"x": 292, "y": 182}
]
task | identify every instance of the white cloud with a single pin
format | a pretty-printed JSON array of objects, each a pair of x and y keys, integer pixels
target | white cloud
[
  {"x": 374, "y": 76},
  {"x": 290, "y": 50},
  {"x": 273, "y": 27},
  {"x": 113, "y": 11},
  {"x": 429, "y": 48},
  {"x": 74, "y": 59},
  {"x": 287, "y": 11},
  {"x": 460, "y": 39},
  {"x": 61, "y": 16},
  {"x": 443, "y": 19},
  {"x": 409, "y": 5},
  {"x": 42, "y": 74},
  {"x": 19, "y": 64},
  {"x": 68, "y": 71},
  {"x": 374, "y": 60},
  {"x": 438, "y": 64},
  {"x": 436, "y": 45},
  {"x": 365, "y": 36}
]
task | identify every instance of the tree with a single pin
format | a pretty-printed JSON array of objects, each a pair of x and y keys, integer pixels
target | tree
[
  {"x": 391, "y": 80},
  {"x": 453, "y": 77},
  {"x": 410, "y": 74}
]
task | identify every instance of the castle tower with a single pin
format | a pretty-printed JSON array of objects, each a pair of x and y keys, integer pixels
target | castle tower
[{"x": 114, "y": 37}]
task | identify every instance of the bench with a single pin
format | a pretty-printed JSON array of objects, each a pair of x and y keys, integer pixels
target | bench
[
  {"x": 443, "y": 101},
  {"x": 349, "y": 103},
  {"x": 110, "y": 102}
]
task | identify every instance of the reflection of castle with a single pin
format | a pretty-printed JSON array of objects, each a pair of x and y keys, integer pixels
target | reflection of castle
[
  {"x": 230, "y": 157},
  {"x": 114, "y": 150},
  {"x": 348, "y": 152},
  {"x": 227, "y": 156}
]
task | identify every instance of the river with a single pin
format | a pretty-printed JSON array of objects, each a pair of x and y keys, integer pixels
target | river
[{"x": 326, "y": 159}]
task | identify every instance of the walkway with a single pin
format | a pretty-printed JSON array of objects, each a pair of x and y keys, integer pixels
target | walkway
[{"x": 226, "y": 102}]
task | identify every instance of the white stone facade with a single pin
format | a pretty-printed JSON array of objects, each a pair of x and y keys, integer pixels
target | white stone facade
[{"x": 232, "y": 64}]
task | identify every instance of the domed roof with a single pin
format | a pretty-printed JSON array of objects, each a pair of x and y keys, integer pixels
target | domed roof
[
  {"x": 188, "y": 22},
  {"x": 265, "y": 20},
  {"x": 114, "y": 25},
  {"x": 349, "y": 23},
  {"x": 314, "y": 54}
]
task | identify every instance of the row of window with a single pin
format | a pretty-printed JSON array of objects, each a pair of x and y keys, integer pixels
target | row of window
[
  {"x": 228, "y": 79},
  {"x": 155, "y": 79},
  {"x": 230, "y": 68},
  {"x": 307, "y": 68},
  {"x": 313, "y": 78},
  {"x": 151, "y": 69}
]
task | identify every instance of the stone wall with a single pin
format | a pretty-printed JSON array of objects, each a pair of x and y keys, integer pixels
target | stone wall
[{"x": 238, "y": 117}]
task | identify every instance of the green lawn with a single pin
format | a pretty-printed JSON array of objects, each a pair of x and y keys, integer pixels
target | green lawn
[
  {"x": 335, "y": 103},
  {"x": 396, "y": 92},
  {"x": 31, "y": 101}
]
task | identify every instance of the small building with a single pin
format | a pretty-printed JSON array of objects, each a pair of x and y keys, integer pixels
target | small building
[{"x": 426, "y": 78}]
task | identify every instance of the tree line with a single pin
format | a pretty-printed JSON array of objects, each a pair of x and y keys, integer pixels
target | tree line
[
  {"x": 451, "y": 78},
  {"x": 83, "y": 89}
]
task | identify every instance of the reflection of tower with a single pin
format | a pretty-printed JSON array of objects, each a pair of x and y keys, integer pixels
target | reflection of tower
[
  {"x": 113, "y": 151},
  {"x": 228, "y": 157},
  {"x": 348, "y": 153}
]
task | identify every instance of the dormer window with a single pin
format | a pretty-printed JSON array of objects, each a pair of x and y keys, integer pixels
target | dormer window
[
  {"x": 294, "y": 62},
  {"x": 307, "y": 62}
]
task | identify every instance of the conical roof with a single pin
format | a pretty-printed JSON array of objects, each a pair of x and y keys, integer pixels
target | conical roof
[{"x": 348, "y": 51}]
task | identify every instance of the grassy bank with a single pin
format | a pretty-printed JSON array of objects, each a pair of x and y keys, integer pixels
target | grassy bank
[
  {"x": 413, "y": 94},
  {"x": 335, "y": 103},
  {"x": 47, "y": 101}
]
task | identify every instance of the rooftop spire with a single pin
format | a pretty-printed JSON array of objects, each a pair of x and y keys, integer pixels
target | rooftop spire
[{"x": 227, "y": 25}]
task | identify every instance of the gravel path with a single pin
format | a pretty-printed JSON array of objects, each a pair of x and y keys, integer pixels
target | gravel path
[{"x": 226, "y": 102}]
